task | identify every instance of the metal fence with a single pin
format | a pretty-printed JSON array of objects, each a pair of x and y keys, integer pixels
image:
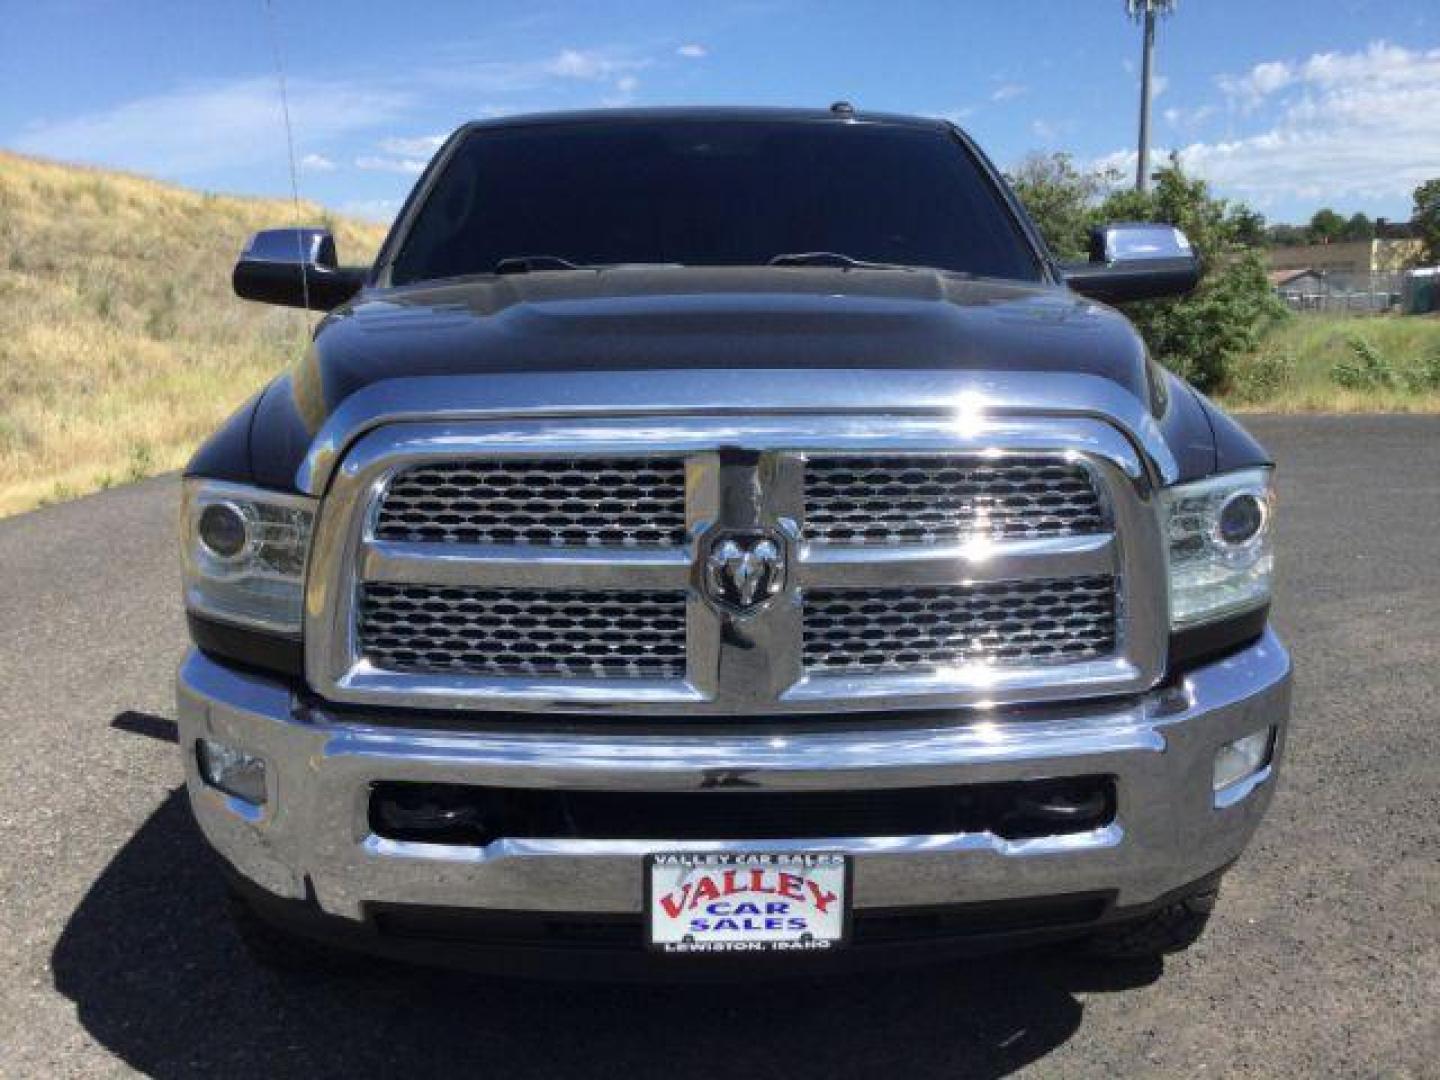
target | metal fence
[{"x": 1358, "y": 294}]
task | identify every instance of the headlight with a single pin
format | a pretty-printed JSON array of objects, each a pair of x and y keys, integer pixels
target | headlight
[
  {"x": 244, "y": 550},
  {"x": 1219, "y": 543}
]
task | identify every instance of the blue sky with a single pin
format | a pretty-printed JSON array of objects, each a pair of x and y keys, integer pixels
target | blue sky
[{"x": 1287, "y": 105}]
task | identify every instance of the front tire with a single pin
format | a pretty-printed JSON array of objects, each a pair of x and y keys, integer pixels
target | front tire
[{"x": 1172, "y": 929}]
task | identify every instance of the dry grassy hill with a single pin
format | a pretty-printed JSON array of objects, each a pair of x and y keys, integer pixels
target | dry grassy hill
[{"x": 121, "y": 344}]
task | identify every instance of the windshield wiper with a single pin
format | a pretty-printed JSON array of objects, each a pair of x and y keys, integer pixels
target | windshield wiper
[
  {"x": 524, "y": 264},
  {"x": 832, "y": 258}
]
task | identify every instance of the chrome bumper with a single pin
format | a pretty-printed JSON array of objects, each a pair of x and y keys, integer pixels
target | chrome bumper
[{"x": 1170, "y": 828}]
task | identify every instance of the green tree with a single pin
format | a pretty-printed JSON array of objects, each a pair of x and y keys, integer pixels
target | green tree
[
  {"x": 1199, "y": 336},
  {"x": 1427, "y": 218},
  {"x": 1250, "y": 228},
  {"x": 1283, "y": 235},
  {"x": 1061, "y": 200},
  {"x": 1359, "y": 227},
  {"x": 1326, "y": 226}
]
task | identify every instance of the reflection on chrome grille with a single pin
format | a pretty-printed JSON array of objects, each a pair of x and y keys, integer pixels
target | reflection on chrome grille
[
  {"x": 914, "y": 631},
  {"x": 554, "y": 503},
  {"x": 521, "y": 632},
  {"x": 945, "y": 498}
]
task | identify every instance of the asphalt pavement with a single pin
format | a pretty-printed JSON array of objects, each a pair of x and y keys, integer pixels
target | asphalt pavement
[{"x": 1323, "y": 958}]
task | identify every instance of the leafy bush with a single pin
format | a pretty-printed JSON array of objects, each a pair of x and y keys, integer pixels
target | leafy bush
[
  {"x": 1424, "y": 375},
  {"x": 1262, "y": 376},
  {"x": 1203, "y": 335},
  {"x": 1365, "y": 369}
]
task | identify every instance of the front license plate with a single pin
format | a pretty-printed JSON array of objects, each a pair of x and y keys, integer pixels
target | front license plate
[{"x": 703, "y": 902}]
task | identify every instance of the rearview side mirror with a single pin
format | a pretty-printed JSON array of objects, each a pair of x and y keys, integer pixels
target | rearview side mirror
[
  {"x": 1135, "y": 261},
  {"x": 296, "y": 268}
]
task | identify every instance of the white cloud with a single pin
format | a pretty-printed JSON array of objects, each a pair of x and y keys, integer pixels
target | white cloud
[
  {"x": 317, "y": 163},
  {"x": 692, "y": 52},
  {"x": 1188, "y": 119},
  {"x": 1258, "y": 83},
  {"x": 415, "y": 146},
  {"x": 624, "y": 94},
  {"x": 1007, "y": 91},
  {"x": 214, "y": 125},
  {"x": 1158, "y": 85},
  {"x": 1342, "y": 126},
  {"x": 1044, "y": 131},
  {"x": 588, "y": 64},
  {"x": 204, "y": 127},
  {"x": 377, "y": 163}
]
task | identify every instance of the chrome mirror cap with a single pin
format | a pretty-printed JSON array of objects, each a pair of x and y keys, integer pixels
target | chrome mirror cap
[{"x": 1135, "y": 261}]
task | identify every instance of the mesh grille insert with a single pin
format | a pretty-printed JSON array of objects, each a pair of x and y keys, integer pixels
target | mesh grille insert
[
  {"x": 554, "y": 503},
  {"x": 915, "y": 631},
  {"x": 521, "y": 632},
  {"x": 927, "y": 499}
]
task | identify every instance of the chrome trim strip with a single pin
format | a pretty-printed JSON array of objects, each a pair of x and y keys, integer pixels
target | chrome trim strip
[
  {"x": 986, "y": 685},
  {"x": 741, "y": 474},
  {"x": 362, "y": 681},
  {"x": 815, "y": 760},
  {"x": 477, "y": 566},
  {"x": 1110, "y": 836},
  {"x": 846, "y": 566},
  {"x": 968, "y": 398},
  {"x": 661, "y": 758}
]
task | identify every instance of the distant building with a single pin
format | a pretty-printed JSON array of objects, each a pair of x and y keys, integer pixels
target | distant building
[
  {"x": 1394, "y": 248},
  {"x": 1296, "y": 283}
]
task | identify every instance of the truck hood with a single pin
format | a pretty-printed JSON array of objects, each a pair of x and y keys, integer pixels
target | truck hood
[
  {"x": 668, "y": 318},
  {"x": 668, "y": 339}
]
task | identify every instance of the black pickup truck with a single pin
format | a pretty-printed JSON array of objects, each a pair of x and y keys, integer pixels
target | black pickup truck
[{"x": 715, "y": 539}]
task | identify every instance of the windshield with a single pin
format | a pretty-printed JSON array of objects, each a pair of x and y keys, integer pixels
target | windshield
[{"x": 712, "y": 193}]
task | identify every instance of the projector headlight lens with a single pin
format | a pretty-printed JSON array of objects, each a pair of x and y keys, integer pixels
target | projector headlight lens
[
  {"x": 224, "y": 530},
  {"x": 1219, "y": 544},
  {"x": 1242, "y": 517},
  {"x": 244, "y": 552}
]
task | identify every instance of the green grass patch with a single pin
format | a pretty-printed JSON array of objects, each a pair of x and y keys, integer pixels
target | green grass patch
[{"x": 1338, "y": 363}]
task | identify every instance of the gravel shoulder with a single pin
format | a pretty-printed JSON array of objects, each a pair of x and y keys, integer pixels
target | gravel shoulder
[{"x": 115, "y": 957}]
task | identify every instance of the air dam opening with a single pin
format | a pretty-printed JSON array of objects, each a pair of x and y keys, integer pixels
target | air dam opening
[
  {"x": 464, "y": 815},
  {"x": 603, "y": 931}
]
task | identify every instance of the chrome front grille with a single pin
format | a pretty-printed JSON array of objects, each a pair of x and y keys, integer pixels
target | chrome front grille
[
  {"x": 512, "y": 633},
  {"x": 929, "y": 499},
  {"x": 564, "y": 503},
  {"x": 918, "y": 631},
  {"x": 571, "y": 566}
]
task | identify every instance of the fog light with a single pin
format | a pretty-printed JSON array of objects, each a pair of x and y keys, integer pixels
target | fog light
[
  {"x": 232, "y": 771},
  {"x": 1242, "y": 758}
]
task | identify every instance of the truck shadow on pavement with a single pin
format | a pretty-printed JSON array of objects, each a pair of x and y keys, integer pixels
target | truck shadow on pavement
[{"x": 159, "y": 979}]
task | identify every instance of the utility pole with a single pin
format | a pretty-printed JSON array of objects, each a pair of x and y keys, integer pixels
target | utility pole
[
  {"x": 1145, "y": 12},
  {"x": 1142, "y": 167}
]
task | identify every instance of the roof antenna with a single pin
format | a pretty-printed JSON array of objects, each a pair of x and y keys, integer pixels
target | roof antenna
[{"x": 290, "y": 148}]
